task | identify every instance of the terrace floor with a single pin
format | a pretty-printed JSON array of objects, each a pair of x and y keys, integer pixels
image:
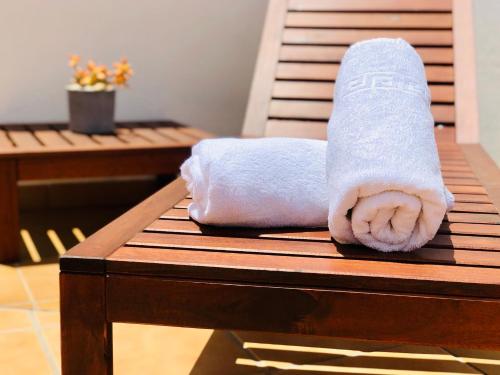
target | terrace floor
[{"x": 29, "y": 326}]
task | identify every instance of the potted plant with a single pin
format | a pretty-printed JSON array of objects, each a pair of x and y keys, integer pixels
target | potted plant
[{"x": 91, "y": 95}]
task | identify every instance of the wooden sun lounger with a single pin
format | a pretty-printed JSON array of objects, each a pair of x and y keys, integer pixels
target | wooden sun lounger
[{"x": 154, "y": 265}]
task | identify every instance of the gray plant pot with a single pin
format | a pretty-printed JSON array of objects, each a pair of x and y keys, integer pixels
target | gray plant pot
[{"x": 91, "y": 112}]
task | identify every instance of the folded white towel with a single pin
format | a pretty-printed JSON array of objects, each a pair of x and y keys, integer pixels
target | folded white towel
[
  {"x": 384, "y": 180},
  {"x": 269, "y": 182}
]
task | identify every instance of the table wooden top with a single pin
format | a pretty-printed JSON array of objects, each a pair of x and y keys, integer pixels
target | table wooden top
[{"x": 42, "y": 139}]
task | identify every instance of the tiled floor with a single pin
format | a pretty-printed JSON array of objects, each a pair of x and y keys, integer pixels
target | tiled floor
[{"x": 29, "y": 330}]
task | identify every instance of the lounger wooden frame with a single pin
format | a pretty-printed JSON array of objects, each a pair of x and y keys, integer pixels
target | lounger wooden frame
[{"x": 154, "y": 265}]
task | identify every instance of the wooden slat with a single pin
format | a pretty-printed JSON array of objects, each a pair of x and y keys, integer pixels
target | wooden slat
[
  {"x": 465, "y": 217},
  {"x": 128, "y": 136},
  {"x": 328, "y": 72},
  {"x": 176, "y": 213},
  {"x": 370, "y": 20},
  {"x": 23, "y": 138},
  {"x": 466, "y": 242},
  {"x": 49, "y": 137},
  {"x": 5, "y": 142},
  {"x": 176, "y": 135},
  {"x": 446, "y": 173},
  {"x": 108, "y": 140},
  {"x": 317, "y": 130},
  {"x": 196, "y": 133},
  {"x": 153, "y": 136},
  {"x": 486, "y": 170},
  {"x": 296, "y": 129},
  {"x": 318, "y": 110},
  {"x": 334, "y": 272},
  {"x": 299, "y": 53},
  {"x": 472, "y": 198},
  {"x": 325, "y": 249},
  {"x": 346, "y": 37},
  {"x": 461, "y": 181},
  {"x": 469, "y": 228},
  {"x": 460, "y": 207},
  {"x": 371, "y": 5},
  {"x": 467, "y": 189},
  {"x": 324, "y": 91},
  {"x": 168, "y": 224},
  {"x": 78, "y": 140},
  {"x": 486, "y": 208},
  {"x": 444, "y": 134}
]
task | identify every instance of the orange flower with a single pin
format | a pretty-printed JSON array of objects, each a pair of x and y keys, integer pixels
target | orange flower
[
  {"x": 73, "y": 60},
  {"x": 91, "y": 64},
  {"x": 98, "y": 77},
  {"x": 123, "y": 72}
]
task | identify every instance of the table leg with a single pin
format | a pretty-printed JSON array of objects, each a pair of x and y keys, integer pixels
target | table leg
[
  {"x": 9, "y": 212},
  {"x": 86, "y": 335}
]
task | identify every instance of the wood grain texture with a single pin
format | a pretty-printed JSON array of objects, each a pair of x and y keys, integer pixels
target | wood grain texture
[
  {"x": 485, "y": 169},
  {"x": 369, "y": 20},
  {"x": 86, "y": 335},
  {"x": 321, "y": 110},
  {"x": 104, "y": 163},
  {"x": 9, "y": 211},
  {"x": 328, "y": 72},
  {"x": 284, "y": 89},
  {"x": 33, "y": 140},
  {"x": 260, "y": 92},
  {"x": 89, "y": 255},
  {"x": 347, "y": 36},
  {"x": 305, "y": 53},
  {"x": 465, "y": 72},
  {"x": 371, "y": 5},
  {"x": 287, "y": 269},
  {"x": 164, "y": 268},
  {"x": 343, "y": 313}
]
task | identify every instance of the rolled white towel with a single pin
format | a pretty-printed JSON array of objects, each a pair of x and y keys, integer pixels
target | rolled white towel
[
  {"x": 384, "y": 180},
  {"x": 269, "y": 182}
]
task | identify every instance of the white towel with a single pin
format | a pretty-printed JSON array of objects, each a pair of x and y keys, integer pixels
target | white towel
[
  {"x": 384, "y": 180},
  {"x": 269, "y": 182}
]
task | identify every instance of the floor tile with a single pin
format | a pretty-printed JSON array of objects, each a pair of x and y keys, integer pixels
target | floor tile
[
  {"x": 48, "y": 319},
  {"x": 14, "y": 319},
  {"x": 43, "y": 282},
  {"x": 486, "y": 361},
  {"x": 21, "y": 354},
  {"x": 220, "y": 356},
  {"x": 15, "y": 294},
  {"x": 144, "y": 349},
  {"x": 52, "y": 335}
]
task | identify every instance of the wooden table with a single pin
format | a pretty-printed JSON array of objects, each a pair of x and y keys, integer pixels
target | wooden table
[{"x": 51, "y": 151}]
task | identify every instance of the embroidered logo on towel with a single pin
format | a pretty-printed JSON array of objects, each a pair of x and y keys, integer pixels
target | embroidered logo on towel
[{"x": 374, "y": 81}]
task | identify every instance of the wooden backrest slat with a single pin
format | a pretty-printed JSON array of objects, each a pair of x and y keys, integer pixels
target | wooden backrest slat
[
  {"x": 308, "y": 53},
  {"x": 371, "y": 5},
  {"x": 303, "y": 43},
  {"x": 321, "y": 110},
  {"x": 369, "y": 20}
]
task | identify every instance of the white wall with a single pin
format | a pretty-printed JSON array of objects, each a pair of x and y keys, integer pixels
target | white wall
[
  {"x": 487, "y": 17},
  {"x": 193, "y": 59}
]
